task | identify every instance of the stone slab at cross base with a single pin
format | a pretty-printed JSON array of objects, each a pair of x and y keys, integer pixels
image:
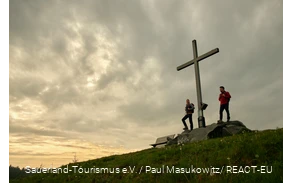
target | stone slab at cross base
[{"x": 210, "y": 131}]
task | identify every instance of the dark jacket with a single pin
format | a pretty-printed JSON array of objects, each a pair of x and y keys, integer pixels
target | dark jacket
[{"x": 189, "y": 108}]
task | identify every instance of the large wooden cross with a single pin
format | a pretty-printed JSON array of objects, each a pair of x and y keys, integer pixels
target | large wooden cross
[{"x": 200, "y": 105}]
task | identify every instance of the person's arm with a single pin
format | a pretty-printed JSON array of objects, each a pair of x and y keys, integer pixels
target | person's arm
[
  {"x": 227, "y": 95},
  {"x": 191, "y": 107},
  {"x": 219, "y": 97}
]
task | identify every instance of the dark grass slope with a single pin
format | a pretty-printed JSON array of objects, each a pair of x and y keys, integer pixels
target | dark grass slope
[{"x": 257, "y": 155}]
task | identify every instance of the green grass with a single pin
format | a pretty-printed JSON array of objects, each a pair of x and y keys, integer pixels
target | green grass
[{"x": 263, "y": 148}]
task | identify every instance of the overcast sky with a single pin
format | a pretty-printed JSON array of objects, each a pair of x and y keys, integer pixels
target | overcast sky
[{"x": 99, "y": 77}]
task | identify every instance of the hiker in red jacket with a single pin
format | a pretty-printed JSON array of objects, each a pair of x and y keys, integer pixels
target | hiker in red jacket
[{"x": 224, "y": 98}]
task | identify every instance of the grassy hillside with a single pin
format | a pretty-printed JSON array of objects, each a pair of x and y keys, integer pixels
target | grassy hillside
[{"x": 247, "y": 151}]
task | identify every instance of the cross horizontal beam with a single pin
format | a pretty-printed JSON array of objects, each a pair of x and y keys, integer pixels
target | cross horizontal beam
[{"x": 202, "y": 57}]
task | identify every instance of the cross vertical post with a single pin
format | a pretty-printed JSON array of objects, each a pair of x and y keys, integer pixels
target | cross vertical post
[
  {"x": 200, "y": 105},
  {"x": 201, "y": 118}
]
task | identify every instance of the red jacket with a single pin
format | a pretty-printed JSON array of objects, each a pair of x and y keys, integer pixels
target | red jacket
[{"x": 224, "y": 99}]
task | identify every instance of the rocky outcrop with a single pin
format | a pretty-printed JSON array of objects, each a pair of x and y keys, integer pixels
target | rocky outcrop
[{"x": 211, "y": 131}]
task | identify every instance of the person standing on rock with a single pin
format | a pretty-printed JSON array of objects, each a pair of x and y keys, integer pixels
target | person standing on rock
[
  {"x": 224, "y": 98},
  {"x": 189, "y": 114}
]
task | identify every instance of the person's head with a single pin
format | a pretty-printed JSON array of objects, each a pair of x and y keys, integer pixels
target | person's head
[
  {"x": 188, "y": 101},
  {"x": 222, "y": 89}
]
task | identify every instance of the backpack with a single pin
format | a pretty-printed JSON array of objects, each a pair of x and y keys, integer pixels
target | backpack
[
  {"x": 229, "y": 98},
  {"x": 193, "y": 110}
]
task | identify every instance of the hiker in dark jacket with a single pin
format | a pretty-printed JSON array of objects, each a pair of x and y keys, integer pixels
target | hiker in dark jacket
[
  {"x": 224, "y": 98},
  {"x": 189, "y": 113}
]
